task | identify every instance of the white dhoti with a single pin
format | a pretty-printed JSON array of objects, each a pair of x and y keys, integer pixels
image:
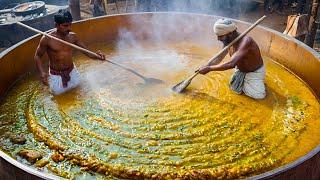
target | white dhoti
[
  {"x": 251, "y": 83},
  {"x": 56, "y": 84}
]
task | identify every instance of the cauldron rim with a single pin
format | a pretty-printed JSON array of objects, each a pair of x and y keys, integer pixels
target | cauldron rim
[
  {"x": 26, "y": 168},
  {"x": 286, "y": 167},
  {"x": 315, "y": 53},
  {"x": 269, "y": 174}
]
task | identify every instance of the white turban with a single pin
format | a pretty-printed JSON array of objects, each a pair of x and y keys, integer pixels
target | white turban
[{"x": 224, "y": 26}]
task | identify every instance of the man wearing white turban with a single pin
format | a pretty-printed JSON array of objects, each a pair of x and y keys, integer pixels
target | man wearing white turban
[{"x": 249, "y": 74}]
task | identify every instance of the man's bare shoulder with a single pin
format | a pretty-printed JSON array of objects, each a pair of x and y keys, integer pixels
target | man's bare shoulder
[
  {"x": 53, "y": 33},
  {"x": 72, "y": 35},
  {"x": 44, "y": 40},
  {"x": 246, "y": 42}
]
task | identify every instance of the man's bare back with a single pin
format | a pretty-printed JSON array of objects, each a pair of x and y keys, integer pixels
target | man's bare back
[
  {"x": 245, "y": 55},
  {"x": 252, "y": 59}
]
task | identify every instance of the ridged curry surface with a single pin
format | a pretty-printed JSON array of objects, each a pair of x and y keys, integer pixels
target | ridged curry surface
[{"x": 115, "y": 126}]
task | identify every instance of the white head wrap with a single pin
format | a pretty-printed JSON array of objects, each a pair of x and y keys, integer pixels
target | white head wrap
[{"x": 224, "y": 26}]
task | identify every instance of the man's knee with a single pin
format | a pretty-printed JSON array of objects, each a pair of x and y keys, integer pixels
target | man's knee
[
  {"x": 56, "y": 91},
  {"x": 255, "y": 92},
  {"x": 257, "y": 96},
  {"x": 74, "y": 79}
]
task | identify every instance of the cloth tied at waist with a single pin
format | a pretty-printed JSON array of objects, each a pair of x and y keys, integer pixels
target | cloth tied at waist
[
  {"x": 250, "y": 83},
  {"x": 237, "y": 81},
  {"x": 65, "y": 75}
]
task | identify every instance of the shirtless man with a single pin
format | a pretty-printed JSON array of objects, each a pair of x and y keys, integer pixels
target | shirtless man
[
  {"x": 62, "y": 75},
  {"x": 249, "y": 74}
]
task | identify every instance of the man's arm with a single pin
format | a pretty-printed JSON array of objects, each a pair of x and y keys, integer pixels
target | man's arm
[
  {"x": 41, "y": 49},
  {"x": 236, "y": 57},
  {"x": 98, "y": 55}
]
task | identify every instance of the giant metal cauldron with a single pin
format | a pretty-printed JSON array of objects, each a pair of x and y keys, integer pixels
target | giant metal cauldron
[{"x": 292, "y": 54}]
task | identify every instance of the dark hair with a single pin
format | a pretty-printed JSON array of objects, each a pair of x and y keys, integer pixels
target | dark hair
[{"x": 63, "y": 16}]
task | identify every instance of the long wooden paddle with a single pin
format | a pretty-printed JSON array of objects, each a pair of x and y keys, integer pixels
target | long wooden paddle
[
  {"x": 180, "y": 87},
  {"x": 147, "y": 80}
]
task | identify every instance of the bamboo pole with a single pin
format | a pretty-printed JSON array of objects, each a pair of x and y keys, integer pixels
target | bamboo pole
[
  {"x": 74, "y": 6},
  {"x": 313, "y": 25},
  {"x": 180, "y": 87},
  {"x": 147, "y": 80}
]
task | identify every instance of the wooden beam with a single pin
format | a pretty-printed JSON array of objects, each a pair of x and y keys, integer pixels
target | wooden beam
[
  {"x": 74, "y": 6},
  {"x": 313, "y": 25}
]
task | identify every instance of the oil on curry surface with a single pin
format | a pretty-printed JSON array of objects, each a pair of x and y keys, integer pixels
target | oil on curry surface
[{"x": 115, "y": 126}]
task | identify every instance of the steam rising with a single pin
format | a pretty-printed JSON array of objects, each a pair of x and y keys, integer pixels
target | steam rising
[
  {"x": 227, "y": 8},
  {"x": 142, "y": 45},
  {"x": 145, "y": 48}
]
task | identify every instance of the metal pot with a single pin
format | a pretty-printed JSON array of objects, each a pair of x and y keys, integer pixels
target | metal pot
[
  {"x": 8, "y": 8},
  {"x": 35, "y": 7},
  {"x": 291, "y": 53}
]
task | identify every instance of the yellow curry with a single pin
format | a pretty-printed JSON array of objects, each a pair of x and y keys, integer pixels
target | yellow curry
[{"x": 115, "y": 126}]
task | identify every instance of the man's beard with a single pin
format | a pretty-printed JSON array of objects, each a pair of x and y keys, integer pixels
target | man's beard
[
  {"x": 227, "y": 41},
  {"x": 65, "y": 33}
]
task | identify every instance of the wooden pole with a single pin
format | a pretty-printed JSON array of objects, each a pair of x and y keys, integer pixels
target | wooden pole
[
  {"x": 86, "y": 51},
  {"x": 180, "y": 87},
  {"x": 313, "y": 25},
  {"x": 74, "y": 6}
]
